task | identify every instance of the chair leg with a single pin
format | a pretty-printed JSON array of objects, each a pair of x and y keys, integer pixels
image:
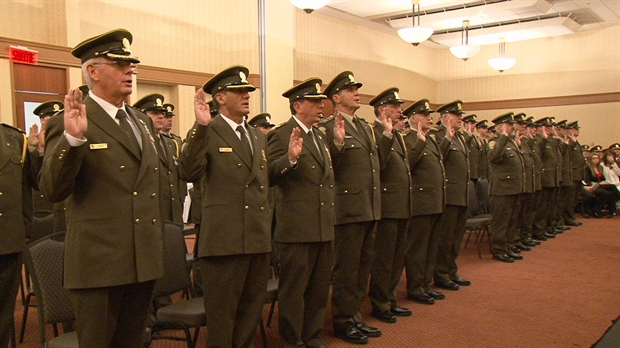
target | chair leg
[
  {"x": 468, "y": 236},
  {"x": 22, "y": 331},
  {"x": 479, "y": 235},
  {"x": 13, "y": 336},
  {"x": 273, "y": 306},
  {"x": 263, "y": 332}
]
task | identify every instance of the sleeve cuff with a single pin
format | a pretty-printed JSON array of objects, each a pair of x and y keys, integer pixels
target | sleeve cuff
[{"x": 73, "y": 141}]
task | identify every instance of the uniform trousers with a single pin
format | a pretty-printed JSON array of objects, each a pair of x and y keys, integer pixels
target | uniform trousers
[
  {"x": 546, "y": 210},
  {"x": 10, "y": 270},
  {"x": 504, "y": 216},
  {"x": 353, "y": 252},
  {"x": 527, "y": 202},
  {"x": 453, "y": 230},
  {"x": 528, "y": 210},
  {"x": 423, "y": 244},
  {"x": 303, "y": 292},
  {"x": 387, "y": 267},
  {"x": 564, "y": 195},
  {"x": 234, "y": 288},
  {"x": 574, "y": 200},
  {"x": 113, "y": 316}
]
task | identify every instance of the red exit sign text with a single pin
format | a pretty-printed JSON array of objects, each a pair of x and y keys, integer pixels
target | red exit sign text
[{"x": 20, "y": 54}]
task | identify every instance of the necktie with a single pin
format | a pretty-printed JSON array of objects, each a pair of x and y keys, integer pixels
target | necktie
[
  {"x": 162, "y": 146},
  {"x": 125, "y": 126},
  {"x": 245, "y": 141},
  {"x": 311, "y": 135}
]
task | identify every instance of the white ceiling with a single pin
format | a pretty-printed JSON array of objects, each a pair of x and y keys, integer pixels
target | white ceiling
[{"x": 489, "y": 19}]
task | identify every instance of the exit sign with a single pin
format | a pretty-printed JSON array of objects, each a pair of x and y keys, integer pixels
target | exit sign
[{"x": 21, "y": 54}]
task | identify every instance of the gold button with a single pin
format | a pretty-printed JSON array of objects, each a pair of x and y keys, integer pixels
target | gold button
[
  {"x": 64, "y": 208},
  {"x": 322, "y": 204},
  {"x": 313, "y": 167},
  {"x": 64, "y": 151},
  {"x": 421, "y": 189},
  {"x": 331, "y": 186},
  {"x": 374, "y": 170},
  {"x": 156, "y": 169},
  {"x": 0, "y": 214},
  {"x": 330, "y": 167},
  {"x": 262, "y": 187},
  {"x": 247, "y": 207},
  {"x": 239, "y": 165},
  {"x": 346, "y": 191},
  {"x": 247, "y": 186},
  {"x": 135, "y": 194},
  {"x": 153, "y": 195},
  {"x": 372, "y": 154},
  {"x": 332, "y": 204},
  {"x": 352, "y": 145},
  {"x": 154, "y": 221},
  {"x": 320, "y": 185},
  {"x": 262, "y": 208},
  {"x": 122, "y": 168},
  {"x": 262, "y": 167},
  {"x": 374, "y": 188},
  {"x": 137, "y": 221},
  {"x": 173, "y": 198},
  {"x": 384, "y": 189}
]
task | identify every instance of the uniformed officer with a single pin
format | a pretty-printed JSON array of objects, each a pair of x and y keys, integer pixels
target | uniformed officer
[
  {"x": 262, "y": 121},
  {"x": 429, "y": 196},
  {"x": 396, "y": 209},
  {"x": 482, "y": 130},
  {"x": 230, "y": 159},
  {"x": 36, "y": 143},
  {"x": 532, "y": 201},
  {"x": 506, "y": 184},
  {"x": 169, "y": 196},
  {"x": 566, "y": 182},
  {"x": 100, "y": 157},
  {"x": 358, "y": 206},
  {"x": 550, "y": 179},
  {"x": 527, "y": 199},
  {"x": 18, "y": 177},
  {"x": 473, "y": 146},
  {"x": 577, "y": 165},
  {"x": 174, "y": 144},
  {"x": 301, "y": 170},
  {"x": 456, "y": 163}
]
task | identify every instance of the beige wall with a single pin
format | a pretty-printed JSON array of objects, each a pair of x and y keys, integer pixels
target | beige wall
[{"x": 207, "y": 36}]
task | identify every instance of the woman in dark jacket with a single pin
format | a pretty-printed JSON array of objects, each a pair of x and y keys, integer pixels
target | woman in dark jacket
[{"x": 597, "y": 184}]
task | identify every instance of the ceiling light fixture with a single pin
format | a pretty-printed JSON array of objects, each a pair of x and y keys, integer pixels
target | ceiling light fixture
[
  {"x": 465, "y": 50},
  {"x": 309, "y": 5},
  {"x": 502, "y": 63},
  {"x": 415, "y": 35}
]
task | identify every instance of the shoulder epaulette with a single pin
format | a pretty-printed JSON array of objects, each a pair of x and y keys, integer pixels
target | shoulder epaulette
[
  {"x": 280, "y": 125},
  {"x": 325, "y": 120},
  {"x": 13, "y": 127}
]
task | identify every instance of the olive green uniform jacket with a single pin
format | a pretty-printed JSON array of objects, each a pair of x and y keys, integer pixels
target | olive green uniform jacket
[{"x": 111, "y": 189}]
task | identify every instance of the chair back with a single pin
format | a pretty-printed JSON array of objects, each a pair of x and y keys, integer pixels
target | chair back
[
  {"x": 176, "y": 277},
  {"x": 472, "y": 200},
  {"x": 482, "y": 191},
  {"x": 45, "y": 261},
  {"x": 42, "y": 224}
]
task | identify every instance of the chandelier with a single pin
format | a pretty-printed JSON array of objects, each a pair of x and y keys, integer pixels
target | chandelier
[
  {"x": 465, "y": 50},
  {"x": 502, "y": 63},
  {"x": 415, "y": 35}
]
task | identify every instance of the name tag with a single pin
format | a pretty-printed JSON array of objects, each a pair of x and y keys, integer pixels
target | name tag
[
  {"x": 99, "y": 146},
  {"x": 226, "y": 149},
  {"x": 348, "y": 137}
]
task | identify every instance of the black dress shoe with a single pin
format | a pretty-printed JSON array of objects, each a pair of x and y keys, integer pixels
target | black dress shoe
[
  {"x": 540, "y": 236},
  {"x": 462, "y": 281},
  {"x": 523, "y": 247},
  {"x": 503, "y": 258},
  {"x": 515, "y": 250},
  {"x": 586, "y": 215},
  {"x": 423, "y": 299},
  {"x": 558, "y": 231},
  {"x": 572, "y": 223},
  {"x": 449, "y": 285},
  {"x": 436, "y": 295},
  {"x": 529, "y": 243},
  {"x": 368, "y": 330},
  {"x": 351, "y": 334},
  {"x": 549, "y": 235},
  {"x": 515, "y": 256},
  {"x": 597, "y": 215},
  {"x": 401, "y": 311},
  {"x": 384, "y": 316}
]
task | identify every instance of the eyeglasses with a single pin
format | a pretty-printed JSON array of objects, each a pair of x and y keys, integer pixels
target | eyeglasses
[{"x": 122, "y": 64}]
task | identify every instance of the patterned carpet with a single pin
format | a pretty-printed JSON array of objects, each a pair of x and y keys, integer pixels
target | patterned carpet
[{"x": 564, "y": 294}]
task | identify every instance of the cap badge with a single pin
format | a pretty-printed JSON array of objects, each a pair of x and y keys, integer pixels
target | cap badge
[
  {"x": 126, "y": 45},
  {"x": 158, "y": 101},
  {"x": 318, "y": 88},
  {"x": 267, "y": 119},
  {"x": 426, "y": 105},
  {"x": 351, "y": 78},
  {"x": 242, "y": 77},
  {"x": 56, "y": 107},
  {"x": 396, "y": 95},
  {"x": 458, "y": 105},
  {"x": 169, "y": 109}
]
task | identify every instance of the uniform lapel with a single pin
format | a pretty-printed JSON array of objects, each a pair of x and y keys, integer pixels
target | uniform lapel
[
  {"x": 230, "y": 137},
  {"x": 258, "y": 153},
  {"x": 107, "y": 124}
]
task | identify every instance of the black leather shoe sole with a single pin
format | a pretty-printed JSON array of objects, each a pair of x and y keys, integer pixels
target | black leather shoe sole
[
  {"x": 436, "y": 295},
  {"x": 368, "y": 331},
  {"x": 386, "y": 317},
  {"x": 422, "y": 299},
  {"x": 448, "y": 285},
  {"x": 352, "y": 335},
  {"x": 401, "y": 311},
  {"x": 503, "y": 258},
  {"x": 462, "y": 282}
]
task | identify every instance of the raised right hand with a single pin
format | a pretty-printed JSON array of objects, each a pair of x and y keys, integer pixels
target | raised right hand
[
  {"x": 201, "y": 108},
  {"x": 76, "y": 122}
]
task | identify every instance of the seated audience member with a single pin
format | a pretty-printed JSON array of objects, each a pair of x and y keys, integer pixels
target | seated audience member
[
  {"x": 610, "y": 164},
  {"x": 595, "y": 179}
]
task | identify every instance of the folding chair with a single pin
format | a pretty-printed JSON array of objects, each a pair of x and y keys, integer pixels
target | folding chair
[{"x": 478, "y": 225}]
